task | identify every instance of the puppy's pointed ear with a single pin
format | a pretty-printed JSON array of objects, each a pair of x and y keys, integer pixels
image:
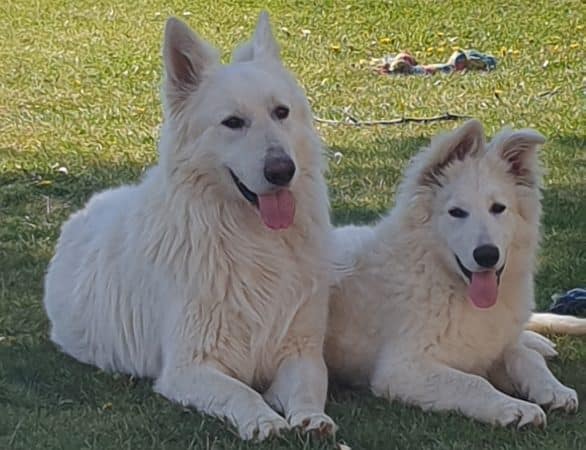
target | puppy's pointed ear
[
  {"x": 466, "y": 140},
  {"x": 519, "y": 150},
  {"x": 186, "y": 58},
  {"x": 263, "y": 45}
]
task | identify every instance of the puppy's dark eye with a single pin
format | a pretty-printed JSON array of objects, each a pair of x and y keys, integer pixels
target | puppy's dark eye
[
  {"x": 458, "y": 212},
  {"x": 233, "y": 122},
  {"x": 281, "y": 112},
  {"x": 497, "y": 208}
]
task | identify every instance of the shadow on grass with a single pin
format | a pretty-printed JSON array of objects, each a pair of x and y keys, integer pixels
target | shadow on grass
[
  {"x": 36, "y": 381},
  {"x": 362, "y": 183}
]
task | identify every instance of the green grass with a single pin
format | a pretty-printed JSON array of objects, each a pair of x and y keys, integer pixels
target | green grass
[{"x": 79, "y": 90}]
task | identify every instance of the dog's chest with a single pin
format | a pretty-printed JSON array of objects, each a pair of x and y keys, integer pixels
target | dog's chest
[
  {"x": 472, "y": 340},
  {"x": 247, "y": 313}
]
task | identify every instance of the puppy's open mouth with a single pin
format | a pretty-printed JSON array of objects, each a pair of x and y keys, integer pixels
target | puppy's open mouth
[
  {"x": 276, "y": 208},
  {"x": 246, "y": 193},
  {"x": 483, "y": 286}
]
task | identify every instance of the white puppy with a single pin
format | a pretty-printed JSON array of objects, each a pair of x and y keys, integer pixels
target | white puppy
[{"x": 432, "y": 302}]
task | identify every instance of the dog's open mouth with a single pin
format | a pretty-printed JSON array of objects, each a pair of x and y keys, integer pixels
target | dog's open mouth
[
  {"x": 276, "y": 208},
  {"x": 246, "y": 193},
  {"x": 483, "y": 286}
]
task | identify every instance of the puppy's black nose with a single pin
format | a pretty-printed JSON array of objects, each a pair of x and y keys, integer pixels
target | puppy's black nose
[
  {"x": 486, "y": 255},
  {"x": 279, "y": 167}
]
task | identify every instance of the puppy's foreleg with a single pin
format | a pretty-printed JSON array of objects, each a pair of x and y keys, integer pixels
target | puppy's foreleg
[
  {"x": 299, "y": 391},
  {"x": 532, "y": 379},
  {"x": 539, "y": 343},
  {"x": 434, "y": 386},
  {"x": 213, "y": 392}
]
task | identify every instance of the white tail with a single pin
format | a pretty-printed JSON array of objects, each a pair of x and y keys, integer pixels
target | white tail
[{"x": 556, "y": 324}]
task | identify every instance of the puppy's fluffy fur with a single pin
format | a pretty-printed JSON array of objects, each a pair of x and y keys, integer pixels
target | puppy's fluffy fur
[{"x": 402, "y": 318}]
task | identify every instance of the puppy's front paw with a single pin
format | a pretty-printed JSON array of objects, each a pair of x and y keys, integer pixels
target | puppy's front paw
[
  {"x": 521, "y": 414},
  {"x": 557, "y": 397},
  {"x": 318, "y": 424},
  {"x": 539, "y": 343},
  {"x": 263, "y": 426}
]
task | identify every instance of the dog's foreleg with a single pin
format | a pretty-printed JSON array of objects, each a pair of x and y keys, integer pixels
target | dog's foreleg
[
  {"x": 299, "y": 390},
  {"x": 434, "y": 386},
  {"x": 539, "y": 343},
  {"x": 532, "y": 378},
  {"x": 213, "y": 392}
]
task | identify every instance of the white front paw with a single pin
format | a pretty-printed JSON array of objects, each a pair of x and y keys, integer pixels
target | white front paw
[
  {"x": 318, "y": 424},
  {"x": 520, "y": 413},
  {"x": 556, "y": 397},
  {"x": 263, "y": 426},
  {"x": 539, "y": 343}
]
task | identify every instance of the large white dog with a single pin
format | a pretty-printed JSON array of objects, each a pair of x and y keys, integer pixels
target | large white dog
[
  {"x": 183, "y": 277},
  {"x": 433, "y": 300}
]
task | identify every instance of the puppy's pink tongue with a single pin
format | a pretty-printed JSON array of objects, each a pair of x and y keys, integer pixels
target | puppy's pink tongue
[
  {"x": 483, "y": 289},
  {"x": 277, "y": 209}
]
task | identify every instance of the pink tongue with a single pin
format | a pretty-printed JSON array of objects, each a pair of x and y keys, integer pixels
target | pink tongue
[
  {"x": 277, "y": 209},
  {"x": 483, "y": 289}
]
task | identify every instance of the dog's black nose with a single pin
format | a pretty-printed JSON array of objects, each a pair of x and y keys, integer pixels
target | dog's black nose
[
  {"x": 279, "y": 167},
  {"x": 486, "y": 255}
]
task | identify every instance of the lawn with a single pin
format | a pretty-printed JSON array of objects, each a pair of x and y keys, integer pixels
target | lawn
[{"x": 79, "y": 112}]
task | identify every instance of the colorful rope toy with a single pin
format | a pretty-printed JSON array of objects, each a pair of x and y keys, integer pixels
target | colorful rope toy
[{"x": 405, "y": 64}]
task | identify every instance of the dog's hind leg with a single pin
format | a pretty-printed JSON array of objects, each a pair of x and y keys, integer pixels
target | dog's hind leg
[
  {"x": 434, "y": 386},
  {"x": 299, "y": 391},
  {"x": 213, "y": 392},
  {"x": 533, "y": 380}
]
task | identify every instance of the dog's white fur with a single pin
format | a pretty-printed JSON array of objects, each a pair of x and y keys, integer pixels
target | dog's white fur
[
  {"x": 177, "y": 278},
  {"x": 400, "y": 319}
]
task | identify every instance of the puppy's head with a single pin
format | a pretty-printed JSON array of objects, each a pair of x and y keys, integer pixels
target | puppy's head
[{"x": 480, "y": 201}]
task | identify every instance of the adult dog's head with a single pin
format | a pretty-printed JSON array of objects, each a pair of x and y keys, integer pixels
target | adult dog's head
[
  {"x": 240, "y": 133},
  {"x": 480, "y": 202}
]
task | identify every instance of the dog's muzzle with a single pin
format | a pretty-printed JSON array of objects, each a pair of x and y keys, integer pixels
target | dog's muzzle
[
  {"x": 468, "y": 273},
  {"x": 279, "y": 168}
]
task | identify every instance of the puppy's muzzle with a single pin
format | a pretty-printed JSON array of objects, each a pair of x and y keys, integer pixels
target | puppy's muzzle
[{"x": 486, "y": 255}]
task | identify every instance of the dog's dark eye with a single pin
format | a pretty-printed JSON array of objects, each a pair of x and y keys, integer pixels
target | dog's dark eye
[
  {"x": 233, "y": 122},
  {"x": 281, "y": 112},
  {"x": 497, "y": 208},
  {"x": 458, "y": 212}
]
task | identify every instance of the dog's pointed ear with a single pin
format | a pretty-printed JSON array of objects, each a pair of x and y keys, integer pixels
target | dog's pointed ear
[
  {"x": 466, "y": 140},
  {"x": 519, "y": 150},
  {"x": 263, "y": 45},
  {"x": 186, "y": 58},
  {"x": 263, "y": 42}
]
